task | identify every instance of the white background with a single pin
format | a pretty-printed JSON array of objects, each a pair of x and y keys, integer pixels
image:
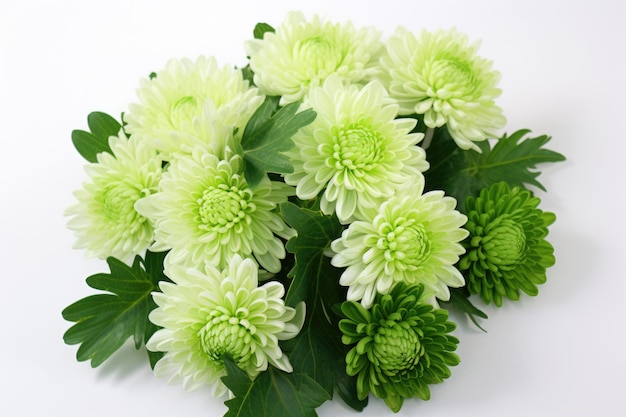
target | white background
[{"x": 563, "y": 65}]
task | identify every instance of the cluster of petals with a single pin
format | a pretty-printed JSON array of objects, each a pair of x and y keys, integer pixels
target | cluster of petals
[
  {"x": 301, "y": 54},
  {"x": 399, "y": 346},
  {"x": 411, "y": 238},
  {"x": 207, "y": 314},
  {"x": 356, "y": 151},
  {"x": 205, "y": 213},
  {"x": 178, "y": 101},
  {"x": 104, "y": 219},
  {"x": 507, "y": 250},
  {"x": 440, "y": 76}
]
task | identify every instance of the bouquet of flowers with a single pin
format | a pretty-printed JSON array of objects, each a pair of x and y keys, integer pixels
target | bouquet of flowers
[{"x": 301, "y": 225}]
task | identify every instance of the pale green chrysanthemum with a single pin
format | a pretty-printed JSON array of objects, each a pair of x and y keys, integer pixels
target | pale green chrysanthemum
[
  {"x": 355, "y": 149},
  {"x": 439, "y": 75},
  {"x": 104, "y": 219},
  {"x": 206, "y": 212},
  {"x": 205, "y": 131},
  {"x": 186, "y": 90},
  {"x": 400, "y": 346},
  {"x": 206, "y": 315},
  {"x": 301, "y": 54},
  {"x": 507, "y": 250},
  {"x": 411, "y": 238}
]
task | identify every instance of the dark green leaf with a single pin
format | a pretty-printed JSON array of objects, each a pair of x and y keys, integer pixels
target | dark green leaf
[
  {"x": 105, "y": 321},
  {"x": 267, "y": 135},
  {"x": 260, "y": 29},
  {"x": 102, "y": 125},
  {"x": 459, "y": 299},
  {"x": 272, "y": 394},
  {"x": 315, "y": 232},
  {"x": 317, "y": 350},
  {"x": 248, "y": 74},
  {"x": 464, "y": 173},
  {"x": 154, "y": 268},
  {"x": 89, "y": 145}
]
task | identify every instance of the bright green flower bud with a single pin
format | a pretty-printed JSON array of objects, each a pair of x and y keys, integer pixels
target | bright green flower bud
[
  {"x": 399, "y": 346},
  {"x": 506, "y": 250}
]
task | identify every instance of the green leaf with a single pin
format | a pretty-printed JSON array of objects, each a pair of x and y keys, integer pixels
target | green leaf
[
  {"x": 459, "y": 299},
  {"x": 272, "y": 394},
  {"x": 89, "y": 145},
  {"x": 317, "y": 350},
  {"x": 267, "y": 135},
  {"x": 102, "y": 125},
  {"x": 315, "y": 232},
  {"x": 105, "y": 321},
  {"x": 261, "y": 28},
  {"x": 248, "y": 74},
  {"x": 464, "y": 173},
  {"x": 154, "y": 268}
]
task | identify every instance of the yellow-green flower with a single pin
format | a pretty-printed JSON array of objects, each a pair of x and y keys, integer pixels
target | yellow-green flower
[
  {"x": 207, "y": 314},
  {"x": 356, "y": 151},
  {"x": 399, "y": 346},
  {"x": 184, "y": 91},
  {"x": 104, "y": 218},
  {"x": 301, "y": 54},
  {"x": 438, "y": 75},
  {"x": 412, "y": 238},
  {"x": 506, "y": 249},
  {"x": 206, "y": 212}
]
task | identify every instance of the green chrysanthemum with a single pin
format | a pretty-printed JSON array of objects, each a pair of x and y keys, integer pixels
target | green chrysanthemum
[
  {"x": 301, "y": 54},
  {"x": 506, "y": 249},
  {"x": 412, "y": 238},
  {"x": 439, "y": 75},
  {"x": 186, "y": 90},
  {"x": 355, "y": 150},
  {"x": 206, "y": 212},
  {"x": 401, "y": 345},
  {"x": 206, "y": 315},
  {"x": 104, "y": 219}
]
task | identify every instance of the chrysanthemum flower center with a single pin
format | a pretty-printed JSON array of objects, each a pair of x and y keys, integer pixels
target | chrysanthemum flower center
[
  {"x": 451, "y": 74},
  {"x": 185, "y": 109},
  {"x": 405, "y": 241},
  {"x": 118, "y": 203},
  {"x": 505, "y": 244},
  {"x": 396, "y": 348},
  {"x": 222, "y": 207},
  {"x": 356, "y": 147},
  {"x": 317, "y": 54},
  {"x": 227, "y": 334}
]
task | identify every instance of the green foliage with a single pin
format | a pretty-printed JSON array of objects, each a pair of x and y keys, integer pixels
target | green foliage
[
  {"x": 317, "y": 350},
  {"x": 315, "y": 232},
  {"x": 261, "y": 28},
  {"x": 248, "y": 74},
  {"x": 459, "y": 300},
  {"x": 90, "y": 144},
  {"x": 105, "y": 321},
  {"x": 272, "y": 394},
  {"x": 464, "y": 173},
  {"x": 267, "y": 135}
]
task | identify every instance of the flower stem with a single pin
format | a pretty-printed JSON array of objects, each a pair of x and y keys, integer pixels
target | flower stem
[{"x": 428, "y": 137}]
